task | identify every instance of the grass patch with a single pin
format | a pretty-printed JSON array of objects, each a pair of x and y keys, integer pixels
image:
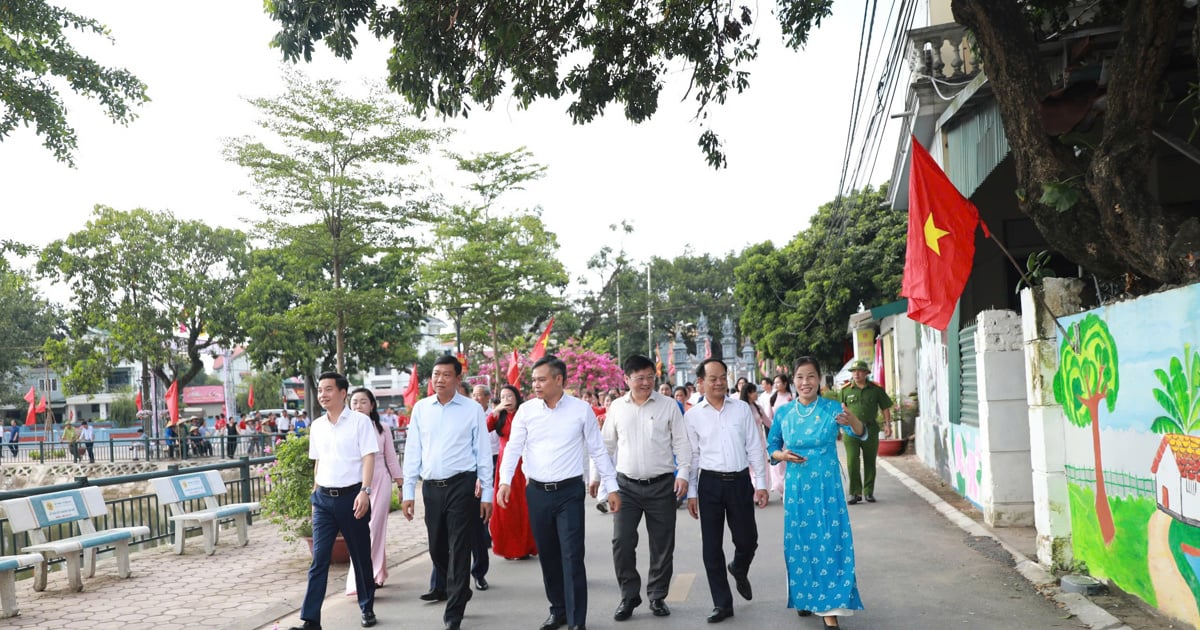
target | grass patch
[{"x": 1124, "y": 562}]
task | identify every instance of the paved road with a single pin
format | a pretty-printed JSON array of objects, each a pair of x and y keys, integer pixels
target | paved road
[{"x": 915, "y": 570}]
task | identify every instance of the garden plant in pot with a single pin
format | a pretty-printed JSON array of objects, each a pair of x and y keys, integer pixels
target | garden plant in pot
[{"x": 288, "y": 502}]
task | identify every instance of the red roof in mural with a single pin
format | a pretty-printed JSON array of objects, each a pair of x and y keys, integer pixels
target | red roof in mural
[
  {"x": 203, "y": 395},
  {"x": 1187, "y": 454}
]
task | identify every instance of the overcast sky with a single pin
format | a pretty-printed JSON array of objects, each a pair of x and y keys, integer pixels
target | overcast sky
[{"x": 784, "y": 138}]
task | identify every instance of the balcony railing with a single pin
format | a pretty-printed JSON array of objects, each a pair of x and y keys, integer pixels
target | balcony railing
[{"x": 942, "y": 53}]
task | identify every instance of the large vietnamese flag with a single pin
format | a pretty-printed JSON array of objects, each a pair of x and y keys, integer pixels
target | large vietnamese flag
[
  {"x": 31, "y": 416},
  {"x": 31, "y": 395},
  {"x": 539, "y": 346},
  {"x": 941, "y": 242},
  {"x": 42, "y": 405},
  {"x": 413, "y": 390}
]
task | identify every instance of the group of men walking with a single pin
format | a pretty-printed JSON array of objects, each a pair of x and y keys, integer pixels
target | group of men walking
[{"x": 647, "y": 457}]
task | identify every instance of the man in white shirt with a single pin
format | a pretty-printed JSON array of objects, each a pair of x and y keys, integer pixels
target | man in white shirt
[
  {"x": 727, "y": 446},
  {"x": 389, "y": 418},
  {"x": 283, "y": 423},
  {"x": 343, "y": 444},
  {"x": 88, "y": 438},
  {"x": 447, "y": 448},
  {"x": 644, "y": 432},
  {"x": 551, "y": 433}
]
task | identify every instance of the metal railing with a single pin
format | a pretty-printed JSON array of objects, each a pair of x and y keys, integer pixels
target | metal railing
[
  {"x": 150, "y": 449},
  {"x": 141, "y": 509}
]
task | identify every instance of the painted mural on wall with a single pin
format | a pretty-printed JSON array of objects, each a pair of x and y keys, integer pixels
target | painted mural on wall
[
  {"x": 1129, "y": 383},
  {"x": 967, "y": 463}
]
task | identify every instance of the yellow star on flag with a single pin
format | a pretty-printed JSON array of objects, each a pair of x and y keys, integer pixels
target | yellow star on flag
[{"x": 932, "y": 234}]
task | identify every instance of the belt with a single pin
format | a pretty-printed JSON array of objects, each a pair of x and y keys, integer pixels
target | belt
[
  {"x": 337, "y": 492},
  {"x": 442, "y": 483},
  {"x": 645, "y": 482},
  {"x": 726, "y": 476},
  {"x": 551, "y": 486}
]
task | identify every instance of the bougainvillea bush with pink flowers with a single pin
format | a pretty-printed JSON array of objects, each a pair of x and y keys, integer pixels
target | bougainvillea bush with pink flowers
[{"x": 585, "y": 368}]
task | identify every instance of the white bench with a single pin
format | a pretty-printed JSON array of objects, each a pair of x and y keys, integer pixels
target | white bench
[
  {"x": 35, "y": 514},
  {"x": 8, "y": 580},
  {"x": 174, "y": 491}
]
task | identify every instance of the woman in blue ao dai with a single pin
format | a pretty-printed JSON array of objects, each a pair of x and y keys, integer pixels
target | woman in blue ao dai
[{"x": 817, "y": 542}]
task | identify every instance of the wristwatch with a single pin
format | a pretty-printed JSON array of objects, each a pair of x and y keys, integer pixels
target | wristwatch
[{"x": 366, "y": 490}]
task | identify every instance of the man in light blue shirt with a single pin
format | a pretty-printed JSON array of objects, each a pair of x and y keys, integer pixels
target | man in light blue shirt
[{"x": 449, "y": 450}]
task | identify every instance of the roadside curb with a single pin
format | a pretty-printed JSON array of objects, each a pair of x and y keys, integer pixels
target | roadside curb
[
  {"x": 1087, "y": 612},
  {"x": 288, "y": 608}
]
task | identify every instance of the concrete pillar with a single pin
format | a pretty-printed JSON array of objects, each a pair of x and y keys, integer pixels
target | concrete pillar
[
  {"x": 1007, "y": 492},
  {"x": 1047, "y": 443}
]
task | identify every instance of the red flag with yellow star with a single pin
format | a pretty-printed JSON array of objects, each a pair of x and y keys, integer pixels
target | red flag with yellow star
[{"x": 941, "y": 242}]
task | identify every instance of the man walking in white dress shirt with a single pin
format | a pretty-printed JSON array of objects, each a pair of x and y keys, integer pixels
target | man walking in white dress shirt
[
  {"x": 727, "y": 446},
  {"x": 645, "y": 433},
  {"x": 343, "y": 444},
  {"x": 551, "y": 433}
]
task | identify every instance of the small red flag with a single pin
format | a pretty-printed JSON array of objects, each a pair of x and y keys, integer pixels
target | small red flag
[
  {"x": 173, "y": 402},
  {"x": 250, "y": 397},
  {"x": 941, "y": 242},
  {"x": 657, "y": 363},
  {"x": 41, "y": 407},
  {"x": 462, "y": 360},
  {"x": 539, "y": 346},
  {"x": 31, "y": 417},
  {"x": 413, "y": 390},
  {"x": 514, "y": 370},
  {"x": 31, "y": 395},
  {"x": 137, "y": 400}
]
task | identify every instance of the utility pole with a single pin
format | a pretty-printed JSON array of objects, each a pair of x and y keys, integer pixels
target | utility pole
[
  {"x": 618, "y": 272},
  {"x": 649, "y": 318}
]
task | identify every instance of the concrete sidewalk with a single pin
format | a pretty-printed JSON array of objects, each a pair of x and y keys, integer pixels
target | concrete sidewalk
[{"x": 237, "y": 588}]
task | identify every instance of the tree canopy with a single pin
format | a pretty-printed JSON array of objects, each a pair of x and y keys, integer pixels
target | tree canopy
[
  {"x": 147, "y": 287},
  {"x": 797, "y": 299},
  {"x": 1090, "y": 191},
  {"x": 336, "y": 194},
  {"x": 37, "y": 59},
  {"x": 26, "y": 321}
]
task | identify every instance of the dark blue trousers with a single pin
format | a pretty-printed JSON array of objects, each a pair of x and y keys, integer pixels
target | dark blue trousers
[
  {"x": 331, "y": 516},
  {"x": 726, "y": 497},
  {"x": 556, "y": 518}
]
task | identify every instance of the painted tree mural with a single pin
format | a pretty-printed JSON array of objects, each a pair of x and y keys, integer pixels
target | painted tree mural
[
  {"x": 1180, "y": 394},
  {"x": 1087, "y": 374}
]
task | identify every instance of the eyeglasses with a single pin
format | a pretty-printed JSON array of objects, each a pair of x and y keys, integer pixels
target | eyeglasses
[{"x": 641, "y": 379}]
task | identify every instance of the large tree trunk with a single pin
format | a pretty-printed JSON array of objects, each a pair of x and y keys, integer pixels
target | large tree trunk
[{"x": 1117, "y": 227}]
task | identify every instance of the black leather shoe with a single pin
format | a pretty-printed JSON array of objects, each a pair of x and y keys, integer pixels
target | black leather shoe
[
  {"x": 307, "y": 625},
  {"x": 602, "y": 508},
  {"x": 870, "y": 498},
  {"x": 625, "y": 608},
  {"x": 854, "y": 500},
  {"x": 553, "y": 623},
  {"x": 804, "y": 613},
  {"x": 433, "y": 596},
  {"x": 453, "y": 625},
  {"x": 720, "y": 614},
  {"x": 659, "y": 608},
  {"x": 743, "y": 583},
  {"x": 481, "y": 583},
  {"x": 368, "y": 619}
]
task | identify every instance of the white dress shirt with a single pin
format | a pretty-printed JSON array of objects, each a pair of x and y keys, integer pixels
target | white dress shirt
[
  {"x": 445, "y": 440},
  {"x": 647, "y": 440},
  {"x": 726, "y": 440},
  {"x": 552, "y": 442},
  {"x": 339, "y": 448}
]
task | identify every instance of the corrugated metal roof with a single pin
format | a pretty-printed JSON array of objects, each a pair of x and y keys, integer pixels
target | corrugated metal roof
[{"x": 977, "y": 144}]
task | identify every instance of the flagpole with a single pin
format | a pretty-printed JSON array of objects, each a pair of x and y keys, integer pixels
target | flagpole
[{"x": 1029, "y": 281}]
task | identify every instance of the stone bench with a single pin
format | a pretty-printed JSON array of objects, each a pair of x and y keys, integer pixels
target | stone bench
[
  {"x": 175, "y": 491},
  {"x": 37, "y": 514}
]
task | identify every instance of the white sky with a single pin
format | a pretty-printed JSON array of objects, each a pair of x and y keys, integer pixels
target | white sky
[{"x": 783, "y": 138}]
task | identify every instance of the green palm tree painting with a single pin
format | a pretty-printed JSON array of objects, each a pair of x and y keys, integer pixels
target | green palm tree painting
[{"x": 1180, "y": 394}]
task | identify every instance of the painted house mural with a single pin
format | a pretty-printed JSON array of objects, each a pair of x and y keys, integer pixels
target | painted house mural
[{"x": 1129, "y": 383}]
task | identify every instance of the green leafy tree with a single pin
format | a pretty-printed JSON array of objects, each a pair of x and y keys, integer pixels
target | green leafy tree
[
  {"x": 122, "y": 412},
  {"x": 1088, "y": 376},
  {"x": 37, "y": 57},
  {"x": 604, "y": 52},
  {"x": 26, "y": 321},
  {"x": 501, "y": 270},
  {"x": 1179, "y": 395},
  {"x": 337, "y": 184},
  {"x": 268, "y": 392},
  {"x": 796, "y": 299},
  {"x": 147, "y": 287}
]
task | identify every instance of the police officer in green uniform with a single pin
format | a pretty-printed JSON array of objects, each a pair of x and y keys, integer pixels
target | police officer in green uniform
[{"x": 865, "y": 399}]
